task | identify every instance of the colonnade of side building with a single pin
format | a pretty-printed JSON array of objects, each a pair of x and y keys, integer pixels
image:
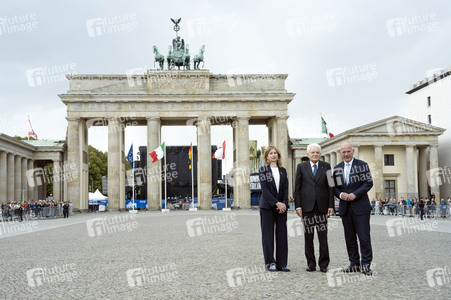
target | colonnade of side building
[{"x": 19, "y": 159}]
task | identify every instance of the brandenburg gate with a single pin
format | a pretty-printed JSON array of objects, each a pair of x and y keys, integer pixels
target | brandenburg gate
[{"x": 159, "y": 98}]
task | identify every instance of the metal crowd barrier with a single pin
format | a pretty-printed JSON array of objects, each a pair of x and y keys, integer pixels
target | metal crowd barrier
[{"x": 430, "y": 211}]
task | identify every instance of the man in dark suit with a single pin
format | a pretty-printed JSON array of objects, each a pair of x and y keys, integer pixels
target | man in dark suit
[
  {"x": 314, "y": 204},
  {"x": 352, "y": 182}
]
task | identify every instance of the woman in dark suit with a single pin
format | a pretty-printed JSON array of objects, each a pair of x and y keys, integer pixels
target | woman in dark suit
[{"x": 273, "y": 210}]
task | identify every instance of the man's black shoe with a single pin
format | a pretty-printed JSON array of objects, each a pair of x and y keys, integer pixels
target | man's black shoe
[
  {"x": 351, "y": 269},
  {"x": 324, "y": 270},
  {"x": 271, "y": 267},
  {"x": 284, "y": 269},
  {"x": 367, "y": 271},
  {"x": 310, "y": 269}
]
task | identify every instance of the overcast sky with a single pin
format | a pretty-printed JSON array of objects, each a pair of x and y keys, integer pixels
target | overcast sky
[{"x": 351, "y": 61}]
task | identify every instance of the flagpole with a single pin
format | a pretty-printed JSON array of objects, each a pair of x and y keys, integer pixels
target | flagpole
[
  {"x": 133, "y": 185},
  {"x": 225, "y": 184},
  {"x": 165, "y": 188},
  {"x": 192, "y": 174}
]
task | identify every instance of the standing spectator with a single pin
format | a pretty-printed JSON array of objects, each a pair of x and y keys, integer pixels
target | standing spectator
[
  {"x": 378, "y": 207},
  {"x": 421, "y": 208},
  {"x": 66, "y": 209},
  {"x": 373, "y": 206},
  {"x": 403, "y": 206},
  {"x": 443, "y": 208}
]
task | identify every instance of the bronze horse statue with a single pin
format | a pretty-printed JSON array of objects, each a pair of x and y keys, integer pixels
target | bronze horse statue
[
  {"x": 199, "y": 58},
  {"x": 158, "y": 57}
]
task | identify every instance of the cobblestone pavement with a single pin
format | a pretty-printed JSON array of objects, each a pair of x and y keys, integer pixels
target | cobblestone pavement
[{"x": 212, "y": 255}]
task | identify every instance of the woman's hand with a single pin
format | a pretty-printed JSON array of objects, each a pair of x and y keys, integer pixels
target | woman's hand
[{"x": 282, "y": 207}]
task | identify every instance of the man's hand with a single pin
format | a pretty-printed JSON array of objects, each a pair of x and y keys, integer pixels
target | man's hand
[
  {"x": 344, "y": 196},
  {"x": 330, "y": 212},
  {"x": 282, "y": 207},
  {"x": 351, "y": 197},
  {"x": 299, "y": 213}
]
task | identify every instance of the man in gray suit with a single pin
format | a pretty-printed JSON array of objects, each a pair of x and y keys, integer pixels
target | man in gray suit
[{"x": 314, "y": 203}]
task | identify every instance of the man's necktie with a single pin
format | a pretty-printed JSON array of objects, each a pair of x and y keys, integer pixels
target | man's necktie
[
  {"x": 348, "y": 170},
  {"x": 314, "y": 169}
]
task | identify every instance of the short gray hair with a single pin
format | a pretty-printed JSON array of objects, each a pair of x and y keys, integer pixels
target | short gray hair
[{"x": 309, "y": 147}]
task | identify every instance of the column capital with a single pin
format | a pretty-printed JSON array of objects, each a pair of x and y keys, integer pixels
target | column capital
[
  {"x": 243, "y": 118},
  {"x": 77, "y": 119},
  {"x": 282, "y": 117},
  {"x": 153, "y": 118}
]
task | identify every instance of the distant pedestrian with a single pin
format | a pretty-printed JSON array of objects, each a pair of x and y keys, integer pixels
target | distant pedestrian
[{"x": 66, "y": 209}]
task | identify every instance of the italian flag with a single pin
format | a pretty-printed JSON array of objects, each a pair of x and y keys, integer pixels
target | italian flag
[
  {"x": 324, "y": 129},
  {"x": 158, "y": 153},
  {"x": 220, "y": 153}
]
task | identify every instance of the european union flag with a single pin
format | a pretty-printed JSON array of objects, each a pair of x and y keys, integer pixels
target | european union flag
[{"x": 130, "y": 156}]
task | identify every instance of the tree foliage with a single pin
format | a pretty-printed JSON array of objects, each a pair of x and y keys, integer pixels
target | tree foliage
[{"x": 98, "y": 167}]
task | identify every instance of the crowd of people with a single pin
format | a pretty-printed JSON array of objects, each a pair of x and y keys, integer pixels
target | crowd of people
[
  {"x": 423, "y": 207},
  {"x": 34, "y": 209}
]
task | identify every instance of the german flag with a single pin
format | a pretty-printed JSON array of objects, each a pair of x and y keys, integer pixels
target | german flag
[{"x": 190, "y": 154}]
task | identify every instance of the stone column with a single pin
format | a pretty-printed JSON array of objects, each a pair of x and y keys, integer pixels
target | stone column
[
  {"x": 333, "y": 159},
  {"x": 24, "y": 180},
  {"x": 17, "y": 177},
  {"x": 422, "y": 169},
  {"x": 30, "y": 165},
  {"x": 297, "y": 161},
  {"x": 241, "y": 176},
  {"x": 36, "y": 194},
  {"x": 339, "y": 158},
  {"x": 153, "y": 169},
  {"x": 290, "y": 173},
  {"x": 114, "y": 161},
  {"x": 57, "y": 175},
  {"x": 433, "y": 165},
  {"x": 204, "y": 184},
  {"x": 10, "y": 175},
  {"x": 327, "y": 158},
  {"x": 410, "y": 171},
  {"x": 272, "y": 132},
  {"x": 378, "y": 176},
  {"x": 74, "y": 161},
  {"x": 356, "y": 151},
  {"x": 3, "y": 178},
  {"x": 282, "y": 138},
  {"x": 122, "y": 168}
]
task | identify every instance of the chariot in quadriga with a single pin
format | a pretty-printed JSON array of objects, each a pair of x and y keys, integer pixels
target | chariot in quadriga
[{"x": 178, "y": 54}]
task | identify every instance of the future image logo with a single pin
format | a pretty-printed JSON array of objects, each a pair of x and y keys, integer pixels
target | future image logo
[
  {"x": 414, "y": 24},
  {"x": 211, "y": 225},
  {"x": 157, "y": 274},
  {"x": 399, "y": 226},
  {"x": 438, "y": 276},
  {"x": 59, "y": 273},
  {"x": 240, "y": 276},
  {"x": 111, "y": 24},
  {"x": 351, "y": 75},
  {"x": 105, "y": 225},
  {"x": 48, "y": 75}
]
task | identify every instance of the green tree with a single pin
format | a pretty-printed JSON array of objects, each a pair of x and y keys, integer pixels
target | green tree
[
  {"x": 23, "y": 138},
  {"x": 98, "y": 167}
]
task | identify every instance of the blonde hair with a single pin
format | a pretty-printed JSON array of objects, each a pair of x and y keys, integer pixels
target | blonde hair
[{"x": 279, "y": 162}]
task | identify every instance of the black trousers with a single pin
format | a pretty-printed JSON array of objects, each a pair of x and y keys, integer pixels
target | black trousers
[
  {"x": 357, "y": 226},
  {"x": 272, "y": 223},
  {"x": 318, "y": 221}
]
